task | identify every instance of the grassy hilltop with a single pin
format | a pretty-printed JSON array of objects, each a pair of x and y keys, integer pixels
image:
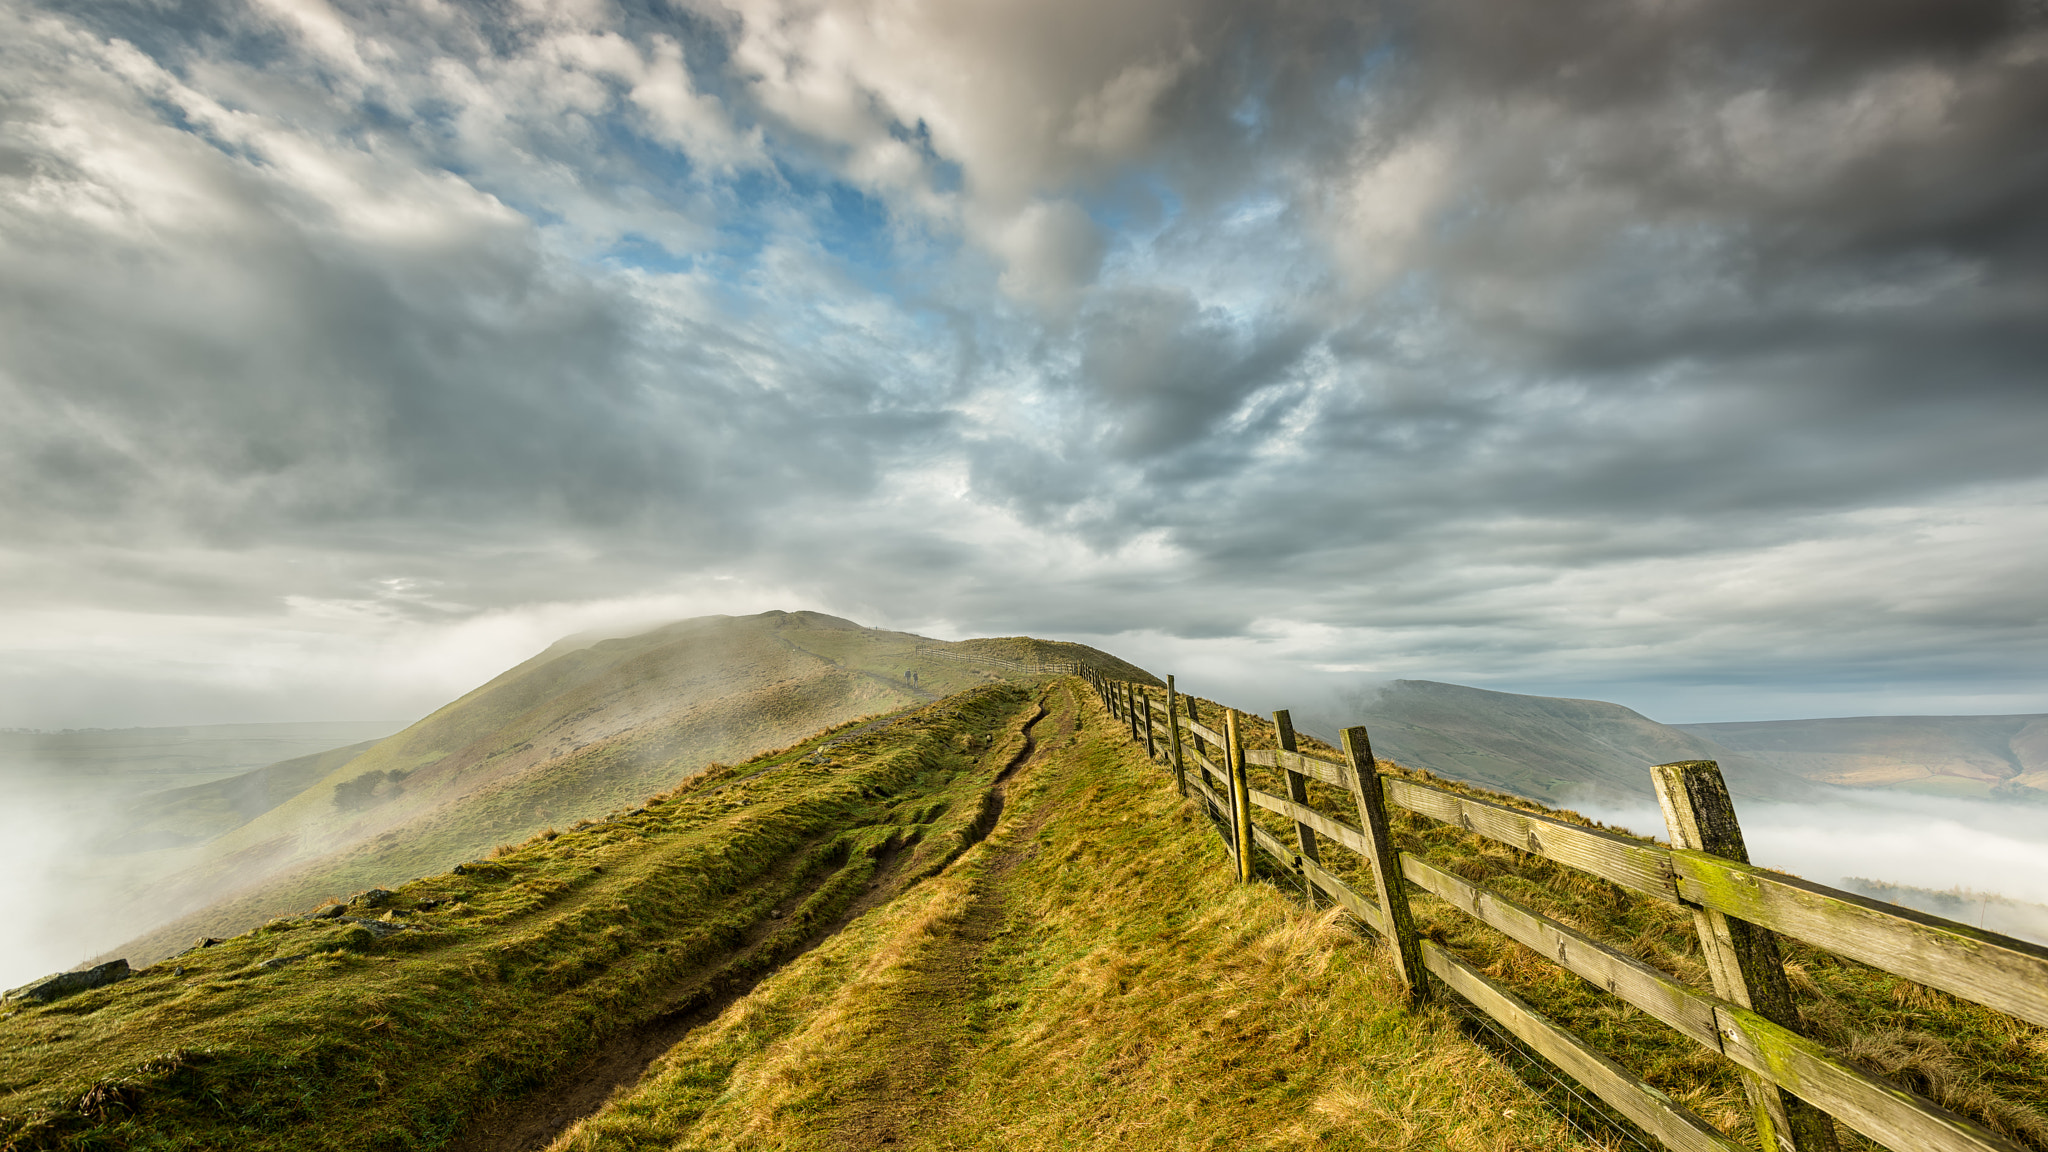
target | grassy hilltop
[{"x": 585, "y": 726}]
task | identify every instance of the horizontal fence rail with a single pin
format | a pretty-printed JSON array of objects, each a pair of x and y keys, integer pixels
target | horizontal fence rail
[{"x": 1739, "y": 910}]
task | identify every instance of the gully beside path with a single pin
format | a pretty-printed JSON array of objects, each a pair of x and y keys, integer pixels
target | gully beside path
[{"x": 542, "y": 1119}]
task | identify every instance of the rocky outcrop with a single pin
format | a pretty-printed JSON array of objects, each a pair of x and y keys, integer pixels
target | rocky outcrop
[{"x": 65, "y": 983}]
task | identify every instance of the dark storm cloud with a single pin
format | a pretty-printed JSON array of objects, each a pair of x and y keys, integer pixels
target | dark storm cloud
[{"x": 1566, "y": 341}]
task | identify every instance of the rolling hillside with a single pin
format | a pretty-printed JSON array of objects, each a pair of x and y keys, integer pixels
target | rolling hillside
[
  {"x": 130, "y": 760},
  {"x": 1564, "y": 751},
  {"x": 1557, "y": 750},
  {"x": 589, "y": 724},
  {"x": 2003, "y": 757}
]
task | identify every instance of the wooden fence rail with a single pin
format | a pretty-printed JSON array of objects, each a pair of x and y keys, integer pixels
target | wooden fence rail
[{"x": 1794, "y": 1083}]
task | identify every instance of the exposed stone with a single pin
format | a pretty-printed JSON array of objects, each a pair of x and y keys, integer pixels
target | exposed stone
[
  {"x": 327, "y": 912},
  {"x": 378, "y": 928},
  {"x": 374, "y": 898},
  {"x": 65, "y": 983}
]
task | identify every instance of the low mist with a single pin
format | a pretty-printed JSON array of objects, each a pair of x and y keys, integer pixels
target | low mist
[
  {"x": 59, "y": 893},
  {"x": 1936, "y": 843}
]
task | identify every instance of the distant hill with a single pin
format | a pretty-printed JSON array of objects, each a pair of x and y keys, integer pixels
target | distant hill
[
  {"x": 1997, "y": 757},
  {"x": 199, "y": 812},
  {"x": 2021, "y": 918},
  {"x": 590, "y": 724},
  {"x": 123, "y": 762},
  {"x": 1546, "y": 748}
]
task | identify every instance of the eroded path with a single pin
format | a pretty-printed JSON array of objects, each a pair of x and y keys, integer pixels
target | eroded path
[
  {"x": 538, "y": 1121},
  {"x": 922, "y": 1018}
]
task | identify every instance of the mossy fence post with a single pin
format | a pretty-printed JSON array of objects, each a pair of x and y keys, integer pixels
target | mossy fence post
[
  {"x": 1741, "y": 958},
  {"x": 1385, "y": 861},
  {"x": 1180, "y": 768}
]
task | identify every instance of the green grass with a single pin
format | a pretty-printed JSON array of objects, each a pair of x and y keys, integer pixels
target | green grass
[
  {"x": 1978, "y": 1062},
  {"x": 1087, "y": 977},
  {"x": 524, "y": 965}
]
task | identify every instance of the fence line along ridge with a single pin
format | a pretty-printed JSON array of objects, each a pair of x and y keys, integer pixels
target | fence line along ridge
[{"x": 1794, "y": 1084}]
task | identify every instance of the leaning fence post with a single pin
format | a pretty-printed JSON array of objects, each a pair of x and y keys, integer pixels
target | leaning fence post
[
  {"x": 1741, "y": 957},
  {"x": 1180, "y": 768},
  {"x": 1240, "y": 794},
  {"x": 1297, "y": 791},
  {"x": 1386, "y": 863}
]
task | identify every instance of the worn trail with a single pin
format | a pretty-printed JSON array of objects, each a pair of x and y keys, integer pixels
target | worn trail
[
  {"x": 537, "y": 1121},
  {"x": 923, "y": 1026}
]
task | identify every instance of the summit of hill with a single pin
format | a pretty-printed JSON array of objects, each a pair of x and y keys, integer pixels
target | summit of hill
[{"x": 592, "y": 722}]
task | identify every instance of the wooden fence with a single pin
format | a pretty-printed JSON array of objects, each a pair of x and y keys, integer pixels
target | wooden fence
[{"x": 1793, "y": 1083}]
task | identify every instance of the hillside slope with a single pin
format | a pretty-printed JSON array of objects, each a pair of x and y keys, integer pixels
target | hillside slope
[
  {"x": 1983, "y": 756},
  {"x": 986, "y": 923},
  {"x": 1547, "y": 748},
  {"x": 585, "y": 726}
]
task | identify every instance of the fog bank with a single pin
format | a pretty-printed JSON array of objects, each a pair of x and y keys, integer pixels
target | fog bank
[{"x": 1932, "y": 842}]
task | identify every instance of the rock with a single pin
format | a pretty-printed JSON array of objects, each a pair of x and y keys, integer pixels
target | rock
[
  {"x": 374, "y": 898},
  {"x": 327, "y": 912},
  {"x": 426, "y": 905},
  {"x": 378, "y": 928},
  {"x": 65, "y": 983},
  {"x": 281, "y": 961}
]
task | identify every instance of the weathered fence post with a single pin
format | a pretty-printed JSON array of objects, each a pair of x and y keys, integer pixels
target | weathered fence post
[
  {"x": 1151, "y": 745},
  {"x": 1180, "y": 768},
  {"x": 1386, "y": 862},
  {"x": 1131, "y": 707},
  {"x": 1240, "y": 795},
  {"x": 1297, "y": 791},
  {"x": 1741, "y": 957}
]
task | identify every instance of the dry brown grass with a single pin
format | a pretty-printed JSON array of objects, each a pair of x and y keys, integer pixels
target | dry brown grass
[{"x": 1127, "y": 996}]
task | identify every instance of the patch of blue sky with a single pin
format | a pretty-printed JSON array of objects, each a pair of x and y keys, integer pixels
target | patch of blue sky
[
  {"x": 1137, "y": 206},
  {"x": 1250, "y": 113},
  {"x": 1253, "y": 210},
  {"x": 641, "y": 254},
  {"x": 665, "y": 172},
  {"x": 1371, "y": 70},
  {"x": 946, "y": 176},
  {"x": 855, "y": 228}
]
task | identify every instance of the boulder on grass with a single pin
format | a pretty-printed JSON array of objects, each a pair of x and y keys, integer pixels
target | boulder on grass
[{"x": 65, "y": 983}]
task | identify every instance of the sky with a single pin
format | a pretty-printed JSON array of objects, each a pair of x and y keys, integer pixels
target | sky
[{"x": 1692, "y": 355}]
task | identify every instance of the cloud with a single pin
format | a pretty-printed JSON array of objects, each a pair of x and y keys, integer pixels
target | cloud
[{"x": 1591, "y": 348}]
